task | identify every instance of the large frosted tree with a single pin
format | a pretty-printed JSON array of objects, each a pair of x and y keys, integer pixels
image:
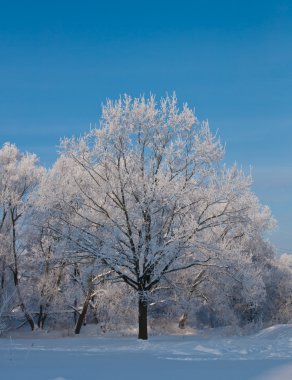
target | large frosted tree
[{"x": 144, "y": 191}]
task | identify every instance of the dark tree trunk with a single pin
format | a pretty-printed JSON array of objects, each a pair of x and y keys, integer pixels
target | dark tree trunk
[
  {"x": 82, "y": 314},
  {"x": 75, "y": 312},
  {"x": 3, "y": 274},
  {"x": 43, "y": 320},
  {"x": 182, "y": 321},
  {"x": 42, "y": 317},
  {"x": 143, "y": 310}
]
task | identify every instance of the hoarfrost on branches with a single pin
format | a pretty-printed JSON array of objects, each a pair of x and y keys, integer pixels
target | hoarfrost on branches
[{"x": 146, "y": 195}]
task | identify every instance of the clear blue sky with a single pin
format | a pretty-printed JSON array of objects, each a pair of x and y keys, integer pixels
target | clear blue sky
[{"x": 231, "y": 60}]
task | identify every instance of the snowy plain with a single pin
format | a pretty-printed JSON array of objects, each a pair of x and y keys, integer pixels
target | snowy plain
[{"x": 206, "y": 355}]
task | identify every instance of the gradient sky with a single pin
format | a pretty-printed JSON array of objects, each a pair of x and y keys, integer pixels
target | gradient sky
[{"x": 230, "y": 60}]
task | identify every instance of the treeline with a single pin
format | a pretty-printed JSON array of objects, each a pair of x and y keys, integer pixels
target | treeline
[{"x": 137, "y": 217}]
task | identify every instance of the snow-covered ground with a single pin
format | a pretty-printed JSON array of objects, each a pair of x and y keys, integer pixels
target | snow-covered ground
[{"x": 208, "y": 355}]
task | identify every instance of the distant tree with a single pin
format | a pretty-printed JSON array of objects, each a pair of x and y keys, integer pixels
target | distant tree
[
  {"x": 236, "y": 291},
  {"x": 279, "y": 288},
  {"x": 19, "y": 176},
  {"x": 47, "y": 268}
]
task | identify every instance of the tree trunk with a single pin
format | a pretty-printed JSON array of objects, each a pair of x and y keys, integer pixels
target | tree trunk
[
  {"x": 82, "y": 314},
  {"x": 143, "y": 309},
  {"x": 42, "y": 317},
  {"x": 3, "y": 274},
  {"x": 182, "y": 321}
]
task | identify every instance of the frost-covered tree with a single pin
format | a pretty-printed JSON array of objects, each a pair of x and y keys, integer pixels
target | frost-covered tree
[
  {"x": 144, "y": 193},
  {"x": 236, "y": 290},
  {"x": 19, "y": 176},
  {"x": 279, "y": 289},
  {"x": 47, "y": 269},
  {"x": 81, "y": 272}
]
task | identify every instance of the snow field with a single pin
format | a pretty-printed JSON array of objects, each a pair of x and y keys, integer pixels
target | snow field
[{"x": 264, "y": 356}]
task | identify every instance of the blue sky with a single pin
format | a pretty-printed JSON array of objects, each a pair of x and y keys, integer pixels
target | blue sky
[{"x": 230, "y": 60}]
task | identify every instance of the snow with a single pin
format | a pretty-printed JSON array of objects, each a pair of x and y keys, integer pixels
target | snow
[{"x": 210, "y": 354}]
